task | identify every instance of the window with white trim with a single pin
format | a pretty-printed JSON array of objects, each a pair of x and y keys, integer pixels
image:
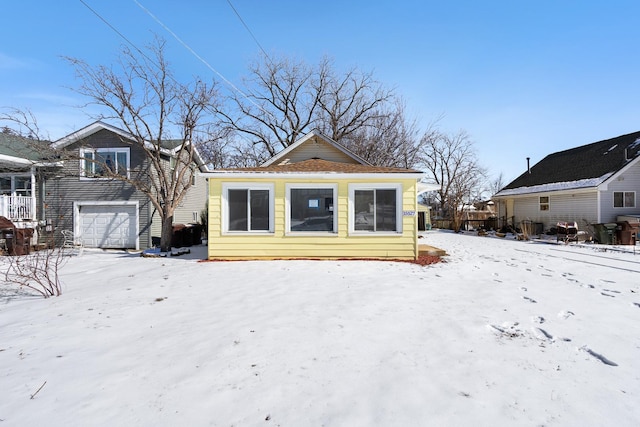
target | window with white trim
[
  {"x": 624, "y": 199},
  {"x": 544, "y": 203},
  {"x": 15, "y": 186},
  {"x": 376, "y": 208},
  {"x": 248, "y": 208},
  {"x": 105, "y": 162},
  {"x": 310, "y": 208}
]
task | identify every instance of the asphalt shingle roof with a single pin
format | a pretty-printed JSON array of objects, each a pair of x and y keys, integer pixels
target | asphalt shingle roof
[
  {"x": 593, "y": 160},
  {"x": 21, "y": 147},
  {"x": 318, "y": 165}
]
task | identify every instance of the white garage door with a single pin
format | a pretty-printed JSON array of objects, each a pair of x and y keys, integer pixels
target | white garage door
[{"x": 108, "y": 226}]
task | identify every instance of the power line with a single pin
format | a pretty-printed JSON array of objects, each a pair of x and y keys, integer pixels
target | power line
[
  {"x": 193, "y": 52},
  {"x": 119, "y": 33},
  {"x": 248, "y": 29}
]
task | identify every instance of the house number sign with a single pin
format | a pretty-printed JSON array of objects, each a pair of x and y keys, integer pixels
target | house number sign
[{"x": 408, "y": 213}]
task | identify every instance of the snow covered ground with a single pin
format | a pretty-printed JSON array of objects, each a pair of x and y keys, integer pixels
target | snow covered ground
[{"x": 505, "y": 333}]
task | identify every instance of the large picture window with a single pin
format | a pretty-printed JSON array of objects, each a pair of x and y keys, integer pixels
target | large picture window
[
  {"x": 311, "y": 208},
  {"x": 624, "y": 199},
  {"x": 249, "y": 208},
  {"x": 103, "y": 162},
  {"x": 376, "y": 209}
]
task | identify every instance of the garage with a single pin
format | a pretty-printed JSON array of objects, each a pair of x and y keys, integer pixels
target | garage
[{"x": 108, "y": 225}]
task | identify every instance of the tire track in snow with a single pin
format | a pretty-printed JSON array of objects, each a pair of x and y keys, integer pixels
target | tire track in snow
[{"x": 610, "y": 264}]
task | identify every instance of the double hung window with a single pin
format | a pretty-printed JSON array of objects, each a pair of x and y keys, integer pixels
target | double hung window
[{"x": 544, "y": 203}]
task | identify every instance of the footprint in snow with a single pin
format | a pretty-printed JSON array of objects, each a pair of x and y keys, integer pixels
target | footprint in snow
[
  {"x": 607, "y": 295},
  {"x": 538, "y": 319},
  {"x": 542, "y": 335},
  {"x": 598, "y": 356},
  {"x": 531, "y": 300},
  {"x": 565, "y": 314}
]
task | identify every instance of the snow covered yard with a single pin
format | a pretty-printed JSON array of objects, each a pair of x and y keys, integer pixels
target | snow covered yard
[{"x": 503, "y": 333}]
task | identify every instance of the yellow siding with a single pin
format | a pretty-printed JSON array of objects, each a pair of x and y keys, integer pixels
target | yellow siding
[
  {"x": 318, "y": 148},
  {"x": 330, "y": 246}
]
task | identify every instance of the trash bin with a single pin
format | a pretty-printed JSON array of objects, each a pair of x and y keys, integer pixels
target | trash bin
[
  {"x": 177, "y": 237},
  {"x": 195, "y": 230},
  {"x": 626, "y": 233},
  {"x": 605, "y": 233},
  {"x": 187, "y": 235},
  {"x": 17, "y": 240}
]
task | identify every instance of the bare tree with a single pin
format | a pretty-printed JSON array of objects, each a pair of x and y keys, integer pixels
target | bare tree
[
  {"x": 390, "y": 139},
  {"x": 288, "y": 98},
  {"x": 279, "y": 105},
  {"x": 497, "y": 184},
  {"x": 452, "y": 164},
  {"x": 141, "y": 94},
  {"x": 351, "y": 102}
]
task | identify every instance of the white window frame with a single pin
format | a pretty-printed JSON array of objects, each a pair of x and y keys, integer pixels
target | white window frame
[
  {"x": 14, "y": 191},
  {"x": 323, "y": 186},
  {"x": 83, "y": 162},
  {"x": 547, "y": 203},
  {"x": 370, "y": 187},
  {"x": 246, "y": 186},
  {"x": 624, "y": 199}
]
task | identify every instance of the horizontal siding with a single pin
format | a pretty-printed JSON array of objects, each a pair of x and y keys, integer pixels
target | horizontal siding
[
  {"x": 580, "y": 207},
  {"x": 320, "y": 149},
  {"x": 339, "y": 245},
  {"x": 194, "y": 201},
  {"x": 629, "y": 181}
]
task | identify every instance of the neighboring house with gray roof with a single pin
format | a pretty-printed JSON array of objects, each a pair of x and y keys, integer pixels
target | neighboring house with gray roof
[
  {"x": 590, "y": 184},
  {"x": 24, "y": 167},
  {"x": 110, "y": 213}
]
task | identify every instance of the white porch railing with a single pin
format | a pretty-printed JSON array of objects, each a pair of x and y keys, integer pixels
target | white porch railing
[{"x": 17, "y": 208}]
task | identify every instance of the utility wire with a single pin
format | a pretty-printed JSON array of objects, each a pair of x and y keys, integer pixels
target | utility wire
[
  {"x": 186, "y": 46},
  {"x": 248, "y": 29},
  {"x": 119, "y": 33}
]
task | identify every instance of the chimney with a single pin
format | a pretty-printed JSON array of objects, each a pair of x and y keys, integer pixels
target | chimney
[{"x": 528, "y": 166}]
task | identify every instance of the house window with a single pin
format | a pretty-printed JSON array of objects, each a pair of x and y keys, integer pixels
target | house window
[
  {"x": 105, "y": 162},
  {"x": 248, "y": 208},
  {"x": 375, "y": 209},
  {"x": 544, "y": 203},
  {"x": 624, "y": 199},
  {"x": 311, "y": 208},
  {"x": 15, "y": 186},
  {"x": 5, "y": 185}
]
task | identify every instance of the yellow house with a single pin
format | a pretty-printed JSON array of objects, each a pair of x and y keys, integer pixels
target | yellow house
[{"x": 314, "y": 200}]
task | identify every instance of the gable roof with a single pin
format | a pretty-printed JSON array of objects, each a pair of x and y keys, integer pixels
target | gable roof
[
  {"x": 315, "y": 137},
  {"x": 581, "y": 167},
  {"x": 169, "y": 147},
  {"x": 350, "y": 166}
]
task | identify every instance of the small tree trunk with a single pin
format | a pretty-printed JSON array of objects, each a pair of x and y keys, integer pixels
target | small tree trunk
[{"x": 167, "y": 234}]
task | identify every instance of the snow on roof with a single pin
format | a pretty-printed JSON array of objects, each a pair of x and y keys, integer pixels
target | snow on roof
[{"x": 556, "y": 186}]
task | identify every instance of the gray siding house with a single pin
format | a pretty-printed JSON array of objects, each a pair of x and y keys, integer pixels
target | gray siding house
[
  {"x": 590, "y": 184},
  {"x": 109, "y": 213}
]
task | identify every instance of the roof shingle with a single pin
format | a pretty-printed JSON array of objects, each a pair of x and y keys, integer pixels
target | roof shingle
[
  {"x": 589, "y": 161},
  {"x": 318, "y": 165}
]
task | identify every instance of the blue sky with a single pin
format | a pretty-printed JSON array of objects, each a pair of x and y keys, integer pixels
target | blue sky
[{"x": 524, "y": 79}]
